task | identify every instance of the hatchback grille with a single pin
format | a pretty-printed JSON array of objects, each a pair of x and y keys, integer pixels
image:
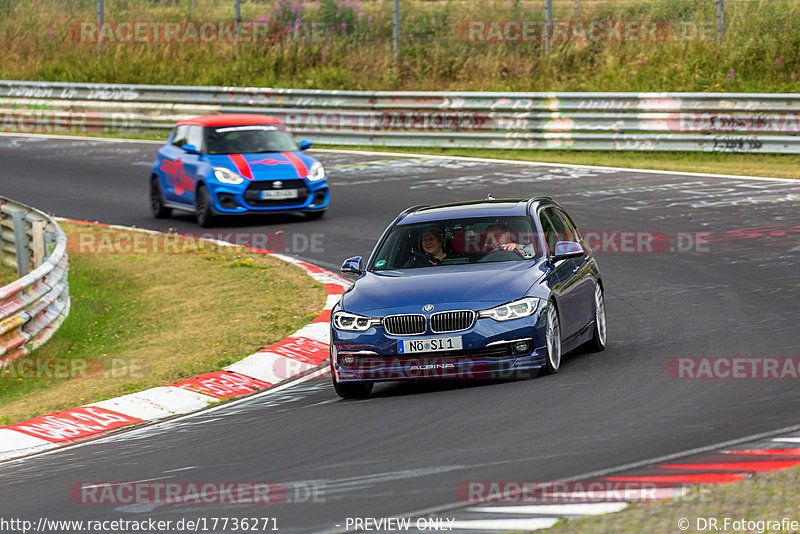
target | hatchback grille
[
  {"x": 405, "y": 325},
  {"x": 452, "y": 321},
  {"x": 252, "y": 194}
]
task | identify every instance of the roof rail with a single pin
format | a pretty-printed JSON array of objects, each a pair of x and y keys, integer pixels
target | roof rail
[
  {"x": 407, "y": 211},
  {"x": 536, "y": 199}
]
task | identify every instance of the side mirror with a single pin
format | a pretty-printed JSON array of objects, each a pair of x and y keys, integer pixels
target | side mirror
[
  {"x": 352, "y": 265},
  {"x": 567, "y": 249},
  {"x": 191, "y": 149},
  {"x": 305, "y": 145}
]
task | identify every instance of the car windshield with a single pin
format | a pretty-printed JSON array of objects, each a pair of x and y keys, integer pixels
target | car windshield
[
  {"x": 457, "y": 241},
  {"x": 249, "y": 139}
]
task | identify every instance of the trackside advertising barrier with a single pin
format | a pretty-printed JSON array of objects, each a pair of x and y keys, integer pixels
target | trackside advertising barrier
[{"x": 707, "y": 122}]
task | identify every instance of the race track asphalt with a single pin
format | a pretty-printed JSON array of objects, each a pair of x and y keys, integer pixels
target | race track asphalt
[{"x": 730, "y": 293}]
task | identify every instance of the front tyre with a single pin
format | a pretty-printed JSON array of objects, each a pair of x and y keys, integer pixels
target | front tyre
[
  {"x": 157, "y": 200},
  {"x": 598, "y": 341},
  {"x": 351, "y": 390},
  {"x": 205, "y": 217},
  {"x": 553, "y": 340}
]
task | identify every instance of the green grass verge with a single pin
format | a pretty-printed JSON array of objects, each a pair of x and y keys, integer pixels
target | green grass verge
[
  {"x": 140, "y": 320},
  {"x": 7, "y": 274}
]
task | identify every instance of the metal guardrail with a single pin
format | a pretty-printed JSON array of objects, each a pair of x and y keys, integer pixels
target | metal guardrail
[
  {"x": 709, "y": 122},
  {"x": 34, "y": 306}
]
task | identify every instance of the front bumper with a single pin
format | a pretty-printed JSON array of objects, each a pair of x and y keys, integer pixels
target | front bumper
[
  {"x": 488, "y": 351},
  {"x": 240, "y": 199}
]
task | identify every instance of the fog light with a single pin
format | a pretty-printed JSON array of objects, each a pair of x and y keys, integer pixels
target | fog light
[
  {"x": 347, "y": 375},
  {"x": 347, "y": 359},
  {"x": 521, "y": 347},
  {"x": 319, "y": 198},
  {"x": 227, "y": 201}
]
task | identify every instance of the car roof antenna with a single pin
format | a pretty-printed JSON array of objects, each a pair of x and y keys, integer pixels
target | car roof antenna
[{"x": 489, "y": 197}]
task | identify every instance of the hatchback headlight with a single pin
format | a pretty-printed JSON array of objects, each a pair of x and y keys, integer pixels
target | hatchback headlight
[
  {"x": 227, "y": 176},
  {"x": 513, "y": 310},
  {"x": 317, "y": 172},
  {"x": 351, "y": 321}
]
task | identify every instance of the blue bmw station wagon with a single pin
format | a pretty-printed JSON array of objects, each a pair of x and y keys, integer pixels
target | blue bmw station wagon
[{"x": 467, "y": 290}]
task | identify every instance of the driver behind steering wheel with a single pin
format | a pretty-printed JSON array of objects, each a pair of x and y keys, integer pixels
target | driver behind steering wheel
[{"x": 498, "y": 239}]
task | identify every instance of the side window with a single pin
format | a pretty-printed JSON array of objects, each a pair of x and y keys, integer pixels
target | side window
[
  {"x": 195, "y": 137},
  {"x": 571, "y": 227},
  {"x": 179, "y": 139},
  {"x": 562, "y": 228},
  {"x": 550, "y": 236}
]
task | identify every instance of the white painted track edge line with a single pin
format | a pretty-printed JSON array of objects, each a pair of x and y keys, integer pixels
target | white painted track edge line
[
  {"x": 80, "y": 137},
  {"x": 550, "y": 164}
]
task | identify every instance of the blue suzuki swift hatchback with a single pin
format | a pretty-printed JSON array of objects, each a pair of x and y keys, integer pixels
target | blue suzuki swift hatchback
[
  {"x": 467, "y": 290},
  {"x": 234, "y": 164}
]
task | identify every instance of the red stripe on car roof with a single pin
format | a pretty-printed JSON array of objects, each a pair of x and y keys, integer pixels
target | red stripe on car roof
[{"x": 230, "y": 119}]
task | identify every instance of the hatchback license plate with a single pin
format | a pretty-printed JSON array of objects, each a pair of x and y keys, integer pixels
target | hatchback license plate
[
  {"x": 279, "y": 194},
  {"x": 436, "y": 344}
]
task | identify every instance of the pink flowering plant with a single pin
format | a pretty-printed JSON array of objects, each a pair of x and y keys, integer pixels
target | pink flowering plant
[{"x": 341, "y": 15}]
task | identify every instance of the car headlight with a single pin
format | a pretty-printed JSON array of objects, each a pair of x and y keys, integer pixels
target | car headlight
[
  {"x": 227, "y": 176},
  {"x": 351, "y": 321},
  {"x": 513, "y": 310},
  {"x": 317, "y": 172}
]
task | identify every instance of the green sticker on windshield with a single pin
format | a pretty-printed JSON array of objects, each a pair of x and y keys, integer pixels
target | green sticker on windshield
[{"x": 380, "y": 263}]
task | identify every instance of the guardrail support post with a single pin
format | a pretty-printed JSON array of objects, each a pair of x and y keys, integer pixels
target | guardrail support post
[
  {"x": 396, "y": 33},
  {"x": 21, "y": 241},
  {"x": 548, "y": 23},
  {"x": 237, "y": 8},
  {"x": 37, "y": 242},
  {"x": 100, "y": 16}
]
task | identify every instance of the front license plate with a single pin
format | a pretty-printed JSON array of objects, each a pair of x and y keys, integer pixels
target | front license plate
[
  {"x": 279, "y": 194},
  {"x": 436, "y": 344}
]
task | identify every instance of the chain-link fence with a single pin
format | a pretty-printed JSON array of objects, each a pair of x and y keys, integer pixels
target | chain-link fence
[
  {"x": 499, "y": 20},
  {"x": 441, "y": 20}
]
